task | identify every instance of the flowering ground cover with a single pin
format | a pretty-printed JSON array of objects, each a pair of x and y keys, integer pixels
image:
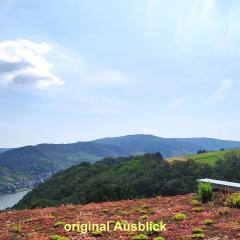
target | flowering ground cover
[{"x": 185, "y": 218}]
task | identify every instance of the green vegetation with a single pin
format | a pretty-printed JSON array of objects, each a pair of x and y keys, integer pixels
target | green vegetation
[
  {"x": 58, "y": 224},
  {"x": 180, "y": 217},
  {"x": 194, "y": 202},
  {"x": 210, "y": 158},
  {"x": 208, "y": 222},
  {"x": 205, "y": 192},
  {"x": 130, "y": 177},
  {"x": 97, "y": 233},
  {"x": 233, "y": 200},
  {"x": 198, "y": 209},
  {"x": 57, "y": 237},
  {"x": 197, "y": 230},
  {"x": 29, "y": 161},
  {"x": 140, "y": 237},
  {"x": 159, "y": 238},
  {"x": 198, "y": 236}
]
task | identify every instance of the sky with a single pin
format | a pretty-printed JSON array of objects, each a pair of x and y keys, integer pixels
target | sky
[{"x": 76, "y": 70}]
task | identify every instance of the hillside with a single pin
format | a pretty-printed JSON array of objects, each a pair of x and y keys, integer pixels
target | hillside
[
  {"x": 209, "y": 157},
  {"x": 28, "y": 161},
  {"x": 128, "y": 178},
  {"x": 48, "y": 223}
]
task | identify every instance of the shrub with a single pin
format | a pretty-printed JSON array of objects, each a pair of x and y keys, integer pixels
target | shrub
[
  {"x": 194, "y": 202},
  {"x": 208, "y": 222},
  {"x": 152, "y": 231},
  {"x": 144, "y": 217},
  {"x": 57, "y": 237},
  {"x": 198, "y": 236},
  {"x": 197, "y": 230},
  {"x": 233, "y": 200},
  {"x": 140, "y": 237},
  {"x": 96, "y": 233},
  {"x": 198, "y": 209},
  {"x": 159, "y": 238},
  {"x": 180, "y": 217},
  {"x": 205, "y": 192},
  {"x": 58, "y": 224}
]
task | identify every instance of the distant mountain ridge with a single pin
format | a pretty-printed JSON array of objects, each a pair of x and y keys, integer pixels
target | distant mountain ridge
[
  {"x": 28, "y": 161},
  {"x": 4, "y": 149}
]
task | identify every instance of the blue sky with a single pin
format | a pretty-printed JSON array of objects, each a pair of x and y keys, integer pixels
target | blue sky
[{"x": 79, "y": 70}]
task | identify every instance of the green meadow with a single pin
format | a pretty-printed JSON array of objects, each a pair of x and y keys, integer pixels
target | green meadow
[{"x": 209, "y": 157}]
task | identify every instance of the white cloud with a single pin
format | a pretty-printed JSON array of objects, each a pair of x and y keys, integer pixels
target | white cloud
[
  {"x": 221, "y": 91},
  {"x": 23, "y": 63}
]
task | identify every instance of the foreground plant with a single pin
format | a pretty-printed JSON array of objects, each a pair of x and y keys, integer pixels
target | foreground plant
[
  {"x": 205, "y": 192},
  {"x": 57, "y": 237},
  {"x": 180, "y": 217},
  {"x": 140, "y": 237},
  {"x": 233, "y": 200}
]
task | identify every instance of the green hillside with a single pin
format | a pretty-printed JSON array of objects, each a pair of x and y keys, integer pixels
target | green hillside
[
  {"x": 127, "y": 178},
  {"x": 29, "y": 161},
  {"x": 208, "y": 157}
]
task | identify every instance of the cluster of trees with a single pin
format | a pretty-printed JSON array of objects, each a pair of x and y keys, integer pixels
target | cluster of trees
[
  {"x": 200, "y": 151},
  {"x": 127, "y": 178}
]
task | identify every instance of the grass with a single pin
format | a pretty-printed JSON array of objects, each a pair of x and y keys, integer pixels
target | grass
[{"x": 209, "y": 157}]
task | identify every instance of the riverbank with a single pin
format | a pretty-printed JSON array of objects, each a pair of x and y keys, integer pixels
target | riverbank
[{"x": 10, "y": 199}]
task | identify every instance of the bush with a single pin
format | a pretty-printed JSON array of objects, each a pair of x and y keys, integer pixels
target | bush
[
  {"x": 96, "y": 233},
  {"x": 144, "y": 217},
  {"x": 208, "y": 222},
  {"x": 205, "y": 192},
  {"x": 194, "y": 202},
  {"x": 139, "y": 237},
  {"x": 198, "y": 236},
  {"x": 159, "y": 238},
  {"x": 58, "y": 224},
  {"x": 198, "y": 209},
  {"x": 233, "y": 200},
  {"x": 197, "y": 230},
  {"x": 180, "y": 216},
  {"x": 57, "y": 237}
]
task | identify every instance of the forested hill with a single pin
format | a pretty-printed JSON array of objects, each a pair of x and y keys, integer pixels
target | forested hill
[
  {"x": 20, "y": 163},
  {"x": 127, "y": 178}
]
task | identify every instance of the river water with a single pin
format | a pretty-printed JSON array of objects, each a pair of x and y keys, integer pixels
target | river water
[{"x": 8, "y": 200}]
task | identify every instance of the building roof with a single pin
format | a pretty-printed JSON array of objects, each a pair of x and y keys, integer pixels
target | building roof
[{"x": 218, "y": 182}]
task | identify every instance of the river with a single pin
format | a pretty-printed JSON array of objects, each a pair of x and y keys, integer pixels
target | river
[{"x": 8, "y": 200}]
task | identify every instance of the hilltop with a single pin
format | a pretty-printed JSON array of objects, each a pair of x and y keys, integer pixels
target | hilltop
[
  {"x": 29, "y": 161},
  {"x": 40, "y": 224}
]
